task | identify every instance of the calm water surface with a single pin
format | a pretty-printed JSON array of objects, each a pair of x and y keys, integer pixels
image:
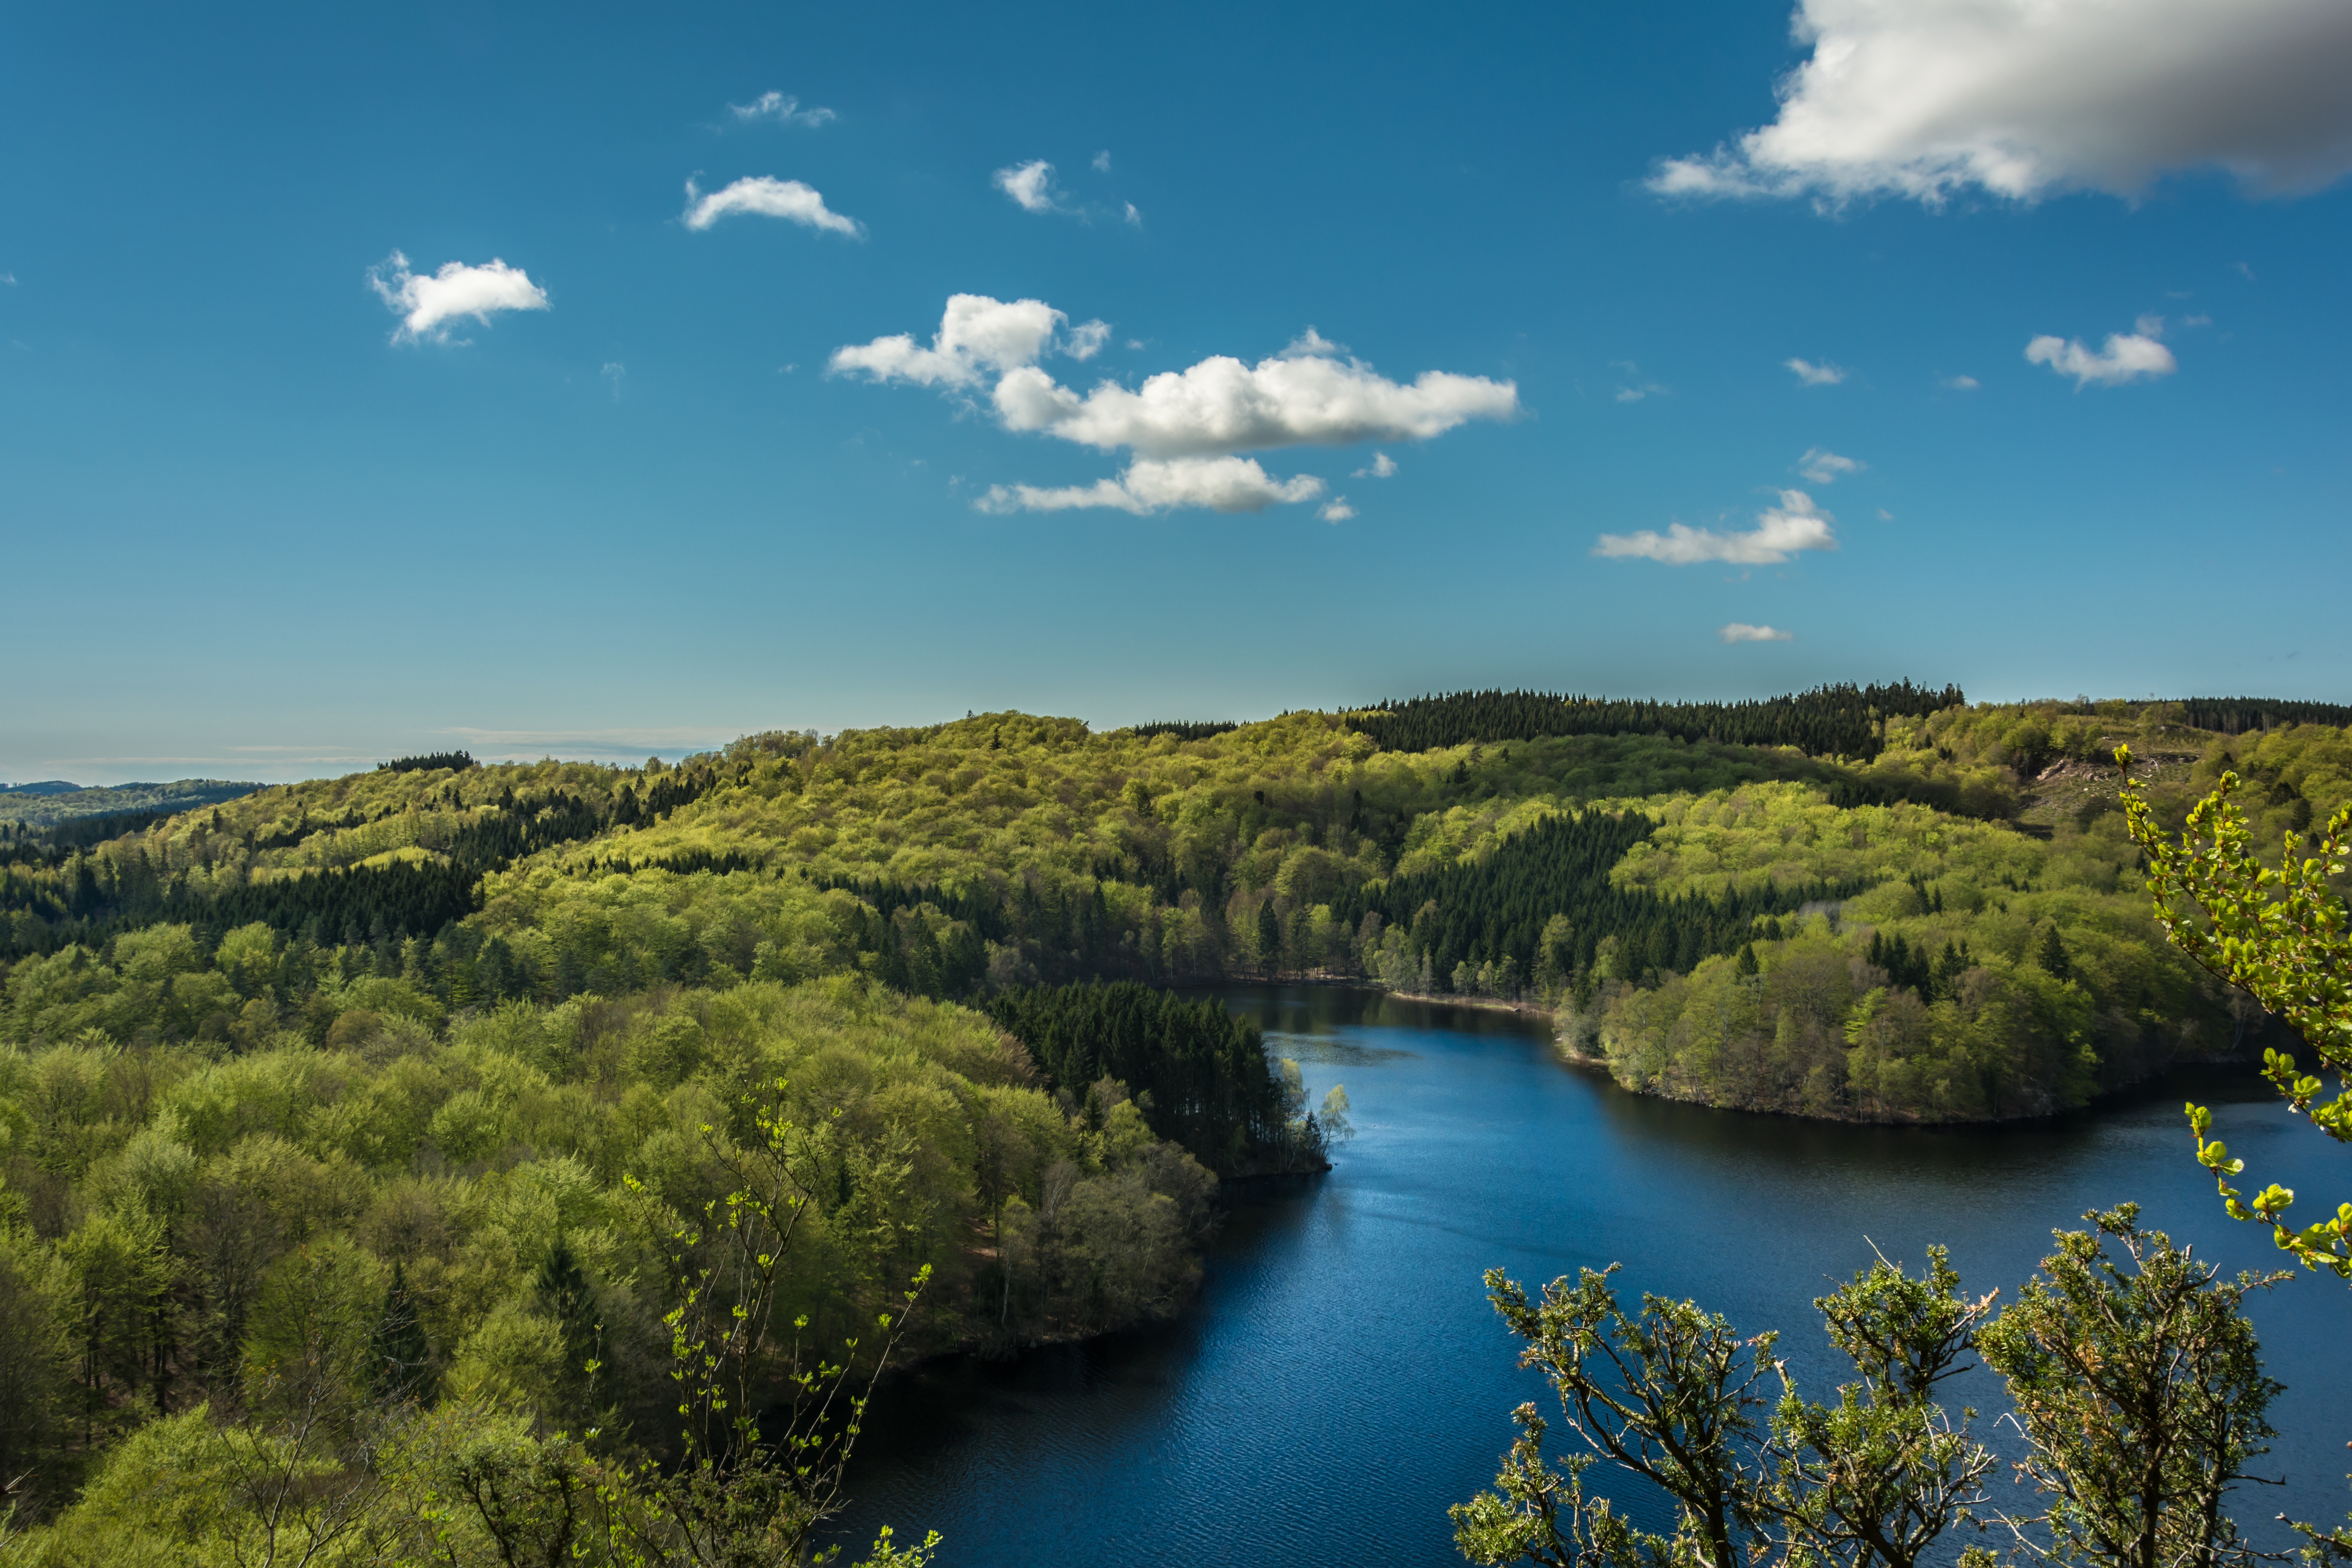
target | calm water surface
[{"x": 1342, "y": 1379}]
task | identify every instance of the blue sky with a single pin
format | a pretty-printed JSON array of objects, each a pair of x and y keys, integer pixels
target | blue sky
[{"x": 256, "y": 526}]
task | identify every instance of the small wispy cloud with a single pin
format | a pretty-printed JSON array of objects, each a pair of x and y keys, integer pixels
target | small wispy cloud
[
  {"x": 1133, "y": 216},
  {"x": 1826, "y": 468},
  {"x": 9, "y": 278},
  {"x": 1102, "y": 161},
  {"x": 427, "y": 303},
  {"x": 2135, "y": 355},
  {"x": 1811, "y": 374},
  {"x": 1780, "y": 533},
  {"x": 780, "y": 108},
  {"x": 1336, "y": 509},
  {"x": 787, "y": 199},
  {"x": 1383, "y": 467},
  {"x": 1740, "y": 631},
  {"x": 1217, "y": 484},
  {"x": 1960, "y": 383},
  {"x": 614, "y": 374},
  {"x": 1030, "y": 186}
]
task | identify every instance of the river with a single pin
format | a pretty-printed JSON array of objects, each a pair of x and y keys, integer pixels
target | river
[{"x": 1342, "y": 1379}]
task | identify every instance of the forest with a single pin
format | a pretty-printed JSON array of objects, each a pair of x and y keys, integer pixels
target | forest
[{"x": 457, "y": 1069}]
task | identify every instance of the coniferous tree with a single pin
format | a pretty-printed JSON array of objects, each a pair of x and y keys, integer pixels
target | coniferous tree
[{"x": 399, "y": 1359}]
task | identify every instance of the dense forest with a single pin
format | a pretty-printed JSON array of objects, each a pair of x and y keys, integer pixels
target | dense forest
[{"x": 437, "y": 1063}]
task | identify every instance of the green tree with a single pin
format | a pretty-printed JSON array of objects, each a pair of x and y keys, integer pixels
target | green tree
[
  {"x": 2282, "y": 934},
  {"x": 2141, "y": 1393},
  {"x": 399, "y": 1362},
  {"x": 1669, "y": 1395}
]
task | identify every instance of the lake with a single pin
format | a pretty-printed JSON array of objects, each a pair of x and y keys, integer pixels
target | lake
[{"x": 1342, "y": 1380}]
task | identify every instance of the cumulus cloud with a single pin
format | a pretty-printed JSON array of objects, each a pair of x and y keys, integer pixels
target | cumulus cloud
[
  {"x": 1134, "y": 217},
  {"x": 787, "y": 199},
  {"x": 1102, "y": 161},
  {"x": 1222, "y": 405},
  {"x": 1811, "y": 374},
  {"x": 1336, "y": 509},
  {"x": 2026, "y": 98},
  {"x": 1030, "y": 186},
  {"x": 1740, "y": 631},
  {"x": 1183, "y": 427},
  {"x": 1826, "y": 468},
  {"x": 1219, "y": 484},
  {"x": 427, "y": 303},
  {"x": 1383, "y": 467},
  {"x": 782, "y": 107},
  {"x": 1780, "y": 533},
  {"x": 978, "y": 336},
  {"x": 2134, "y": 355}
]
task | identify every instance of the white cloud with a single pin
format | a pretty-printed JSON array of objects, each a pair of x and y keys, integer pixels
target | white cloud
[
  {"x": 1219, "y": 484},
  {"x": 1811, "y": 374},
  {"x": 1740, "y": 631},
  {"x": 614, "y": 374},
  {"x": 1336, "y": 509},
  {"x": 1102, "y": 161},
  {"x": 1960, "y": 383},
  {"x": 1133, "y": 216},
  {"x": 977, "y": 335},
  {"x": 1825, "y": 467},
  {"x": 1222, "y": 405},
  {"x": 1184, "y": 427},
  {"x": 782, "y": 107},
  {"x": 1030, "y": 186},
  {"x": 2026, "y": 98},
  {"x": 9, "y": 278},
  {"x": 427, "y": 303},
  {"x": 2126, "y": 356},
  {"x": 1780, "y": 533},
  {"x": 1384, "y": 466},
  {"x": 769, "y": 198}
]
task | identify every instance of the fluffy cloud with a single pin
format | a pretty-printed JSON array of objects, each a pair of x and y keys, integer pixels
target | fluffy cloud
[
  {"x": 978, "y": 336},
  {"x": 1222, "y": 405},
  {"x": 1811, "y": 374},
  {"x": 2126, "y": 356},
  {"x": 769, "y": 198},
  {"x": 1384, "y": 466},
  {"x": 1307, "y": 395},
  {"x": 1825, "y": 467},
  {"x": 1102, "y": 161},
  {"x": 1220, "y": 484},
  {"x": 1030, "y": 186},
  {"x": 1780, "y": 533},
  {"x": 782, "y": 107},
  {"x": 1740, "y": 631},
  {"x": 1336, "y": 509},
  {"x": 427, "y": 303},
  {"x": 2024, "y": 98}
]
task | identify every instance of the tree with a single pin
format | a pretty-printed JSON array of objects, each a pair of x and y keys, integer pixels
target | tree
[
  {"x": 399, "y": 1362},
  {"x": 2142, "y": 1396},
  {"x": 2284, "y": 936},
  {"x": 1876, "y": 1478},
  {"x": 1669, "y": 1395}
]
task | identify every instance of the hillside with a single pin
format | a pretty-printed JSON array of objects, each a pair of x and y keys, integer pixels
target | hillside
[{"x": 34, "y": 806}]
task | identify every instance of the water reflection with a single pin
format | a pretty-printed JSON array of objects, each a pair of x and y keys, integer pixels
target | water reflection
[{"x": 1342, "y": 1379}]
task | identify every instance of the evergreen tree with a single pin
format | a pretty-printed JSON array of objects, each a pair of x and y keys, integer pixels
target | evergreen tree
[
  {"x": 2052, "y": 955},
  {"x": 400, "y": 1361},
  {"x": 567, "y": 1296}
]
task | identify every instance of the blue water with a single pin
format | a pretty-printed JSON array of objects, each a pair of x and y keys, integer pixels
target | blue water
[{"x": 1342, "y": 1379}]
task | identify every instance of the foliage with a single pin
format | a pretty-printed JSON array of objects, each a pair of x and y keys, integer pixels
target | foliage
[
  {"x": 2138, "y": 1393},
  {"x": 432, "y": 762},
  {"x": 44, "y": 808},
  {"x": 1831, "y": 720},
  {"x": 491, "y": 1215},
  {"x": 2141, "y": 1394},
  {"x": 1199, "y": 1074},
  {"x": 2284, "y": 935}
]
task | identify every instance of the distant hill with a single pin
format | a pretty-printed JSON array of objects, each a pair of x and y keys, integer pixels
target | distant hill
[{"x": 55, "y": 801}]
